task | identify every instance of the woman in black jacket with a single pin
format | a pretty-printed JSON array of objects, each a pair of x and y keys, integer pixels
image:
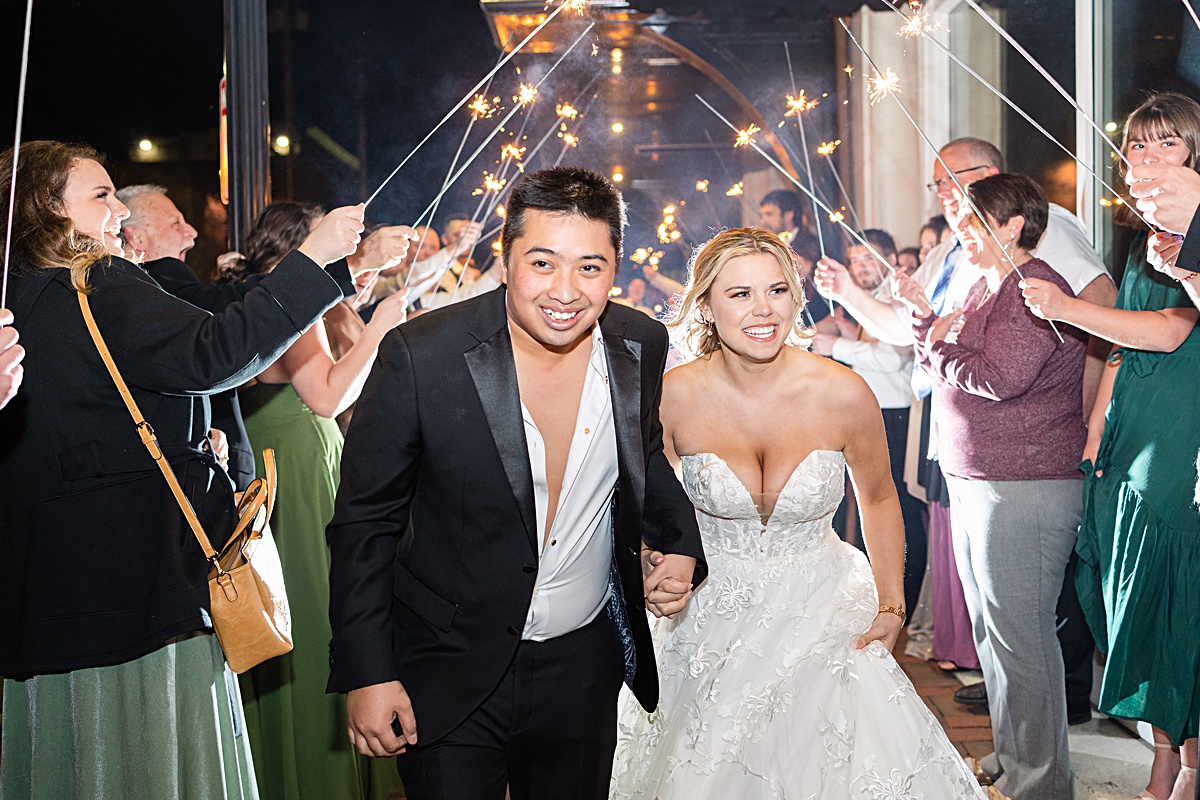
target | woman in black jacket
[{"x": 114, "y": 685}]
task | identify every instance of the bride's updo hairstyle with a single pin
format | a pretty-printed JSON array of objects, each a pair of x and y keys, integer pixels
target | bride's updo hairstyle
[{"x": 688, "y": 329}]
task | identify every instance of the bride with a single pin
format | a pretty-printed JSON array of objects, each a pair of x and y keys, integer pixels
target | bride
[{"x": 777, "y": 680}]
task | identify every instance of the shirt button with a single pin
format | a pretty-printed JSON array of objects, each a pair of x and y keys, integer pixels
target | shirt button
[
  {"x": 587, "y": 430},
  {"x": 553, "y": 542},
  {"x": 535, "y": 592}
]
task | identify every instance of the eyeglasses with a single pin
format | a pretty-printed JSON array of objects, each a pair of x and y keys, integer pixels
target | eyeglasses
[{"x": 942, "y": 183}]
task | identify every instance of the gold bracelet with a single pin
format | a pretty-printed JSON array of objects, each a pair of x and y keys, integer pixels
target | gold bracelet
[
  {"x": 897, "y": 610},
  {"x": 1191, "y": 276}
]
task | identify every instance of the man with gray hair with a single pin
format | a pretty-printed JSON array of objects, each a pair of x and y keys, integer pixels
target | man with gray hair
[{"x": 155, "y": 227}]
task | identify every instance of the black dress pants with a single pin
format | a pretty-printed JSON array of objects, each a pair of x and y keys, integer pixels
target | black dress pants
[{"x": 548, "y": 730}]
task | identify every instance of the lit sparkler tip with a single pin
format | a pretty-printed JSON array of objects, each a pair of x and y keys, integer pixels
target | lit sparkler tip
[
  {"x": 746, "y": 136},
  {"x": 918, "y": 24},
  {"x": 799, "y": 104},
  {"x": 882, "y": 85},
  {"x": 480, "y": 107},
  {"x": 497, "y": 247},
  {"x": 569, "y": 139},
  {"x": 595, "y": 49},
  {"x": 512, "y": 151},
  {"x": 526, "y": 94},
  {"x": 849, "y": 70},
  {"x": 837, "y": 216},
  {"x": 827, "y": 148},
  {"x": 736, "y": 190},
  {"x": 701, "y": 186},
  {"x": 566, "y": 111},
  {"x": 578, "y": 6}
]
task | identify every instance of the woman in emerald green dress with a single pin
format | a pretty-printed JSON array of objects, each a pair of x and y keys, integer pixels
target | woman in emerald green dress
[
  {"x": 1139, "y": 544},
  {"x": 298, "y": 732}
]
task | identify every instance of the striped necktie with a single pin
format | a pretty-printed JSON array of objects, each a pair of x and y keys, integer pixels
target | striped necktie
[{"x": 922, "y": 384}]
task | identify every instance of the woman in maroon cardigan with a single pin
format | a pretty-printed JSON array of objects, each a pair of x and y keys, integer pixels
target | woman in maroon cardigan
[{"x": 1010, "y": 429}]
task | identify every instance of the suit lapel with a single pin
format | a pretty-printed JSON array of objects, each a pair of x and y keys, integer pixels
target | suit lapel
[
  {"x": 625, "y": 385},
  {"x": 495, "y": 376}
]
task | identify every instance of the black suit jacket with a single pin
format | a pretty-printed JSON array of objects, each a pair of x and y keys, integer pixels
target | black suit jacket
[
  {"x": 433, "y": 539},
  {"x": 178, "y": 279},
  {"x": 97, "y": 564}
]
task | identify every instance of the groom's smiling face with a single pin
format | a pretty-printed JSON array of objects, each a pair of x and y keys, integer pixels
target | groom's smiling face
[{"x": 561, "y": 271}]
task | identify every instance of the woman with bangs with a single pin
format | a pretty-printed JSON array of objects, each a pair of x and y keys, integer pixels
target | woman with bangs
[
  {"x": 777, "y": 680},
  {"x": 1139, "y": 544}
]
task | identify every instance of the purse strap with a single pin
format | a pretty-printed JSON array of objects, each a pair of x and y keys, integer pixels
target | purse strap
[{"x": 146, "y": 432}]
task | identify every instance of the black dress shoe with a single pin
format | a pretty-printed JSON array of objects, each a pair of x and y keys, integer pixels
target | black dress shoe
[
  {"x": 973, "y": 695},
  {"x": 1078, "y": 716}
]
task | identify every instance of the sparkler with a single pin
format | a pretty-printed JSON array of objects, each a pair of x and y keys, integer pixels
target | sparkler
[
  {"x": 480, "y": 108},
  {"x": 799, "y": 185},
  {"x": 974, "y": 208},
  {"x": 797, "y": 105},
  {"x": 12, "y": 186},
  {"x": 737, "y": 189},
  {"x": 917, "y": 24},
  {"x": 1033, "y": 62},
  {"x": 574, "y": 5},
  {"x": 1024, "y": 115},
  {"x": 826, "y": 149},
  {"x": 746, "y": 136},
  {"x": 882, "y": 85},
  {"x": 701, "y": 186},
  {"x": 503, "y": 122},
  {"x": 1192, "y": 11},
  {"x": 566, "y": 111}
]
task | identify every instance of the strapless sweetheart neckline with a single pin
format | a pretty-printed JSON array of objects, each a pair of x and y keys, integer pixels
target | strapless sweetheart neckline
[{"x": 747, "y": 495}]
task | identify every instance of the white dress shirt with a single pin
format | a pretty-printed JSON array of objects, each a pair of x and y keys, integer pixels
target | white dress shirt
[
  {"x": 886, "y": 368},
  {"x": 574, "y": 561}
]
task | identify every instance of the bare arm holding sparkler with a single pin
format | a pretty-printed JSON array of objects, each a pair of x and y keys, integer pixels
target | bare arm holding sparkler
[{"x": 880, "y": 319}]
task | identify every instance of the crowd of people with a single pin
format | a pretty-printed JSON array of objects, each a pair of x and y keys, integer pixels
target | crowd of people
[{"x": 422, "y": 410}]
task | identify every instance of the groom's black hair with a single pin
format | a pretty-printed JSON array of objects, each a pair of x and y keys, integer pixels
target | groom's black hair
[{"x": 565, "y": 190}]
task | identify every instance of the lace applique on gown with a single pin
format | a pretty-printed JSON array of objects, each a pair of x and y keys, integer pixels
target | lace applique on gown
[{"x": 763, "y": 694}]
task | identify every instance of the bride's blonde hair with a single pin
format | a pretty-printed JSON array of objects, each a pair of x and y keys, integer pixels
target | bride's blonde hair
[{"x": 689, "y": 331}]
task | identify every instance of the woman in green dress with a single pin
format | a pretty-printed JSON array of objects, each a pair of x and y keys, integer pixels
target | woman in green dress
[
  {"x": 1139, "y": 544},
  {"x": 298, "y": 733}
]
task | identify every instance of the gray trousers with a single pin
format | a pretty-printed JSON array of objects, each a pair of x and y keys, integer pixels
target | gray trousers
[{"x": 1012, "y": 540}]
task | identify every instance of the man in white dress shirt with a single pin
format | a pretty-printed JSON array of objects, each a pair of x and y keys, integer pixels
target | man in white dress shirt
[{"x": 500, "y": 480}]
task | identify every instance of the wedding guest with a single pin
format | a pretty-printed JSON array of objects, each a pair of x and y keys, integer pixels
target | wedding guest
[
  {"x": 887, "y": 369},
  {"x": 103, "y": 585},
  {"x": 782, "y": 212},
  {"x": 1011, "y": 427},
  {"x": 946, "y": 278},
  {"x": 1139, "y": 545},
  {"x": 909, "y": 259},
  {"x": 11, "y": 354},
  {"x": 933, "y": 233},
  {"x": 296, "y": 730}
]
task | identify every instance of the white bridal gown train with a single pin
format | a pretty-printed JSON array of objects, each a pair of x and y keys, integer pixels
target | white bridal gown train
[{"x": 763, "y": 693}]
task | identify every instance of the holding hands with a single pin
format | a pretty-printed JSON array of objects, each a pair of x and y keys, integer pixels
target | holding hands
[{"x": 668, "y": 581}]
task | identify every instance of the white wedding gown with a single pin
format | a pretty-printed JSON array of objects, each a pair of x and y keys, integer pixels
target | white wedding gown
[{"x": 763, "y": 694}]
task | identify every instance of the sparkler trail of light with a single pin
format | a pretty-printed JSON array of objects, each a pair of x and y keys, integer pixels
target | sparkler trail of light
[
  {"x": 929, "y": 142},
  {"x": 12, "y": 186},
  {"x": 577, "y": 5},
  {"x": 1033, "y": 62},
  {"x": 882, "y": 85},
  {"x": 797, "y": 105},
  {"x": 799, "y": 185},
  {"x": 1192, "y": 12},
  {"x": 826, "y": 150},
  {"x": 501, "y": 126},
  {"x": 1025, "y": 116},
  {"x": 479, "y": 110}
]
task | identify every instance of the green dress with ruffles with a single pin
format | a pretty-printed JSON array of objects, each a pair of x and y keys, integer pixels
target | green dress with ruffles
[{"x": 1139, "y": 543}]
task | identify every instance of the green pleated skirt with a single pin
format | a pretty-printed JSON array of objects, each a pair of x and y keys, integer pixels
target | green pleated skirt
[{"x": 166, "y": 725}]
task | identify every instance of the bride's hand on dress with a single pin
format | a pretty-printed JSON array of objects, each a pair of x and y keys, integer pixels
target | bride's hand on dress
[{"x": 885, "y": 628}]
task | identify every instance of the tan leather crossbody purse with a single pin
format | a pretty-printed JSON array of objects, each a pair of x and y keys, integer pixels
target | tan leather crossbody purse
[{"x": 249, "y": 606}]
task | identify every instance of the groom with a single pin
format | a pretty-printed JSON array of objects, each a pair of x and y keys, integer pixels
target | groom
[{"x": 502, "y": 472}]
